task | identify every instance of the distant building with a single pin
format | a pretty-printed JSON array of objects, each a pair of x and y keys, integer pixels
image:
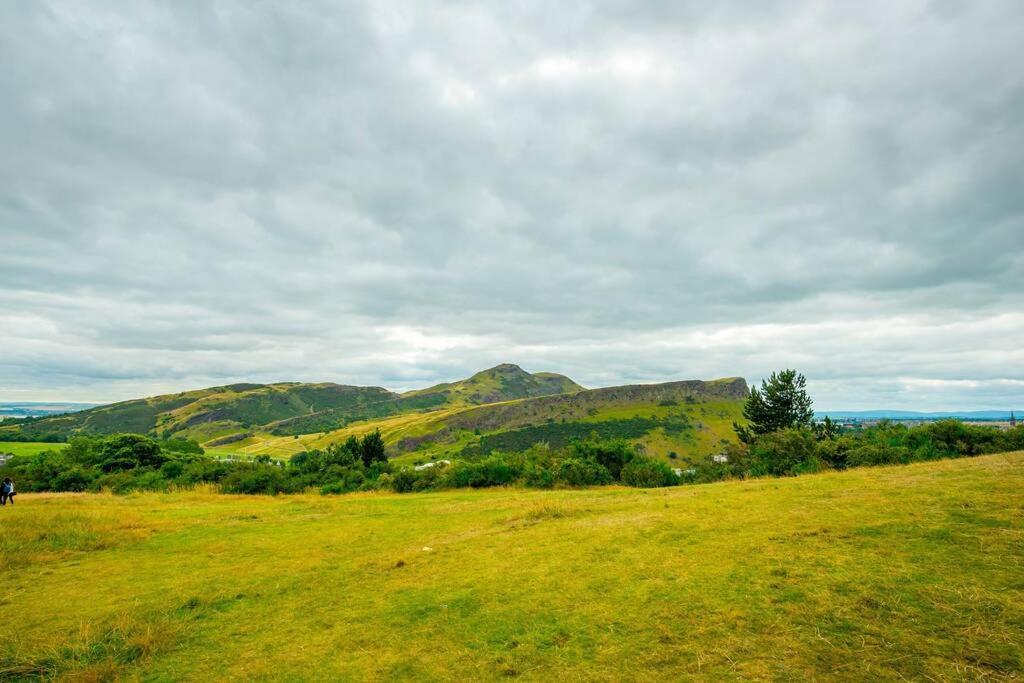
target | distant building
[
  {"x": 428, "y": 465},
  {"x": 720, "y": 457},
  {"x": 1013, "y": 420}
]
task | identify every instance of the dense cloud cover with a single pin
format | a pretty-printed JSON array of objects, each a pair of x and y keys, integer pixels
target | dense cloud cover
[{"x": 399, "y": 193}]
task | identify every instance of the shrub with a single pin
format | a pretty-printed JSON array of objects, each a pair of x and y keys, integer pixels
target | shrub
[
  {"x": 612, "y": 455},
  {"x": 255, "y": 479},
  {"x": 74, "y": 478},
  {"x": 539, "y": 477},
  {"x": 579, "y": 472},
  {"x": 874, "y": 454},
  {"x": 172, "y": 469},
  {"x": 786, "y": 452},
  {"x": 492, "y": 471},
  {"x": 647, "y": 473},
  {"x": 402, "y": 480}
]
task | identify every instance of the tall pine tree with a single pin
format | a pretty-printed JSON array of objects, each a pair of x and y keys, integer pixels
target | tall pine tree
[{"x": 781, "y": 402}]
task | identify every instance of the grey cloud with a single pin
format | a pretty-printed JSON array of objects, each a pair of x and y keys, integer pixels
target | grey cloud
[{"x": 392, "y": 193}]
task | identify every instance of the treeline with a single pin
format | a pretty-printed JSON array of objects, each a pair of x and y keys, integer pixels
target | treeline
[
  {"x": 584, "y": 462},
  {"x": 785, "y": 443},
  {"x": 131, "y": 462},
  {"x": 780, "y": 438},
  {"x": 805, "y": 449},
  {"x": 23, "y": 430}
]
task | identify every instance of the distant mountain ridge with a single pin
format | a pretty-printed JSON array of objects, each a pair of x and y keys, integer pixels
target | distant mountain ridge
[
  {"x": 916, "y": 415},
  {"x": 21, "y": 409}
]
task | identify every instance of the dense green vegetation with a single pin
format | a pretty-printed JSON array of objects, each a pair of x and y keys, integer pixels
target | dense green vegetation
[
  {"x": 781, "y": 402},
  {"x": 800, "y": 450},
  {"x": 889, "y": 573},
  {"x": 780, "y": 438},
  {"x": 561, "y": 434},
  {"x": 129, "y": 462}
]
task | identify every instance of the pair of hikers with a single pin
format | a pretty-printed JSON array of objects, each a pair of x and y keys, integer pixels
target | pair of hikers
[{"x": 7, "y": 492}]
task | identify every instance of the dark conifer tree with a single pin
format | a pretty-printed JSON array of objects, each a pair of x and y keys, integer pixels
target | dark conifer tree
[{"x": 780, "y": 403}]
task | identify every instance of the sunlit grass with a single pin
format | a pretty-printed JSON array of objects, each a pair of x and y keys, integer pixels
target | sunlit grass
[
  {"x": 29, "y": 447},
  {"x": 910, "y": 572}
]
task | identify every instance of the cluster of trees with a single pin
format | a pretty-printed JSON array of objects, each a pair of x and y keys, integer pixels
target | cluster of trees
[
  {"x": 561, "y": 434},
  {"x": 130, "y": 462},
  {"x": 584, "y": 462},
  {"x": 781, "y": 438}
]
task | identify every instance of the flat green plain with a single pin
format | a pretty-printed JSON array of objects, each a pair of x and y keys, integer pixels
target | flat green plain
[
  {"x": 29, "y": 447},
  {"x": 912, "y": 572}
]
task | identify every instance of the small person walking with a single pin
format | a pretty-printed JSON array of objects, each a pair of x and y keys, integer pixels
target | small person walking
[{"x": 7, "y": 492}]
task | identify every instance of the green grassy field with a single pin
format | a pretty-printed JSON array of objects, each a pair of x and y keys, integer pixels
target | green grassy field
[
  {"x": 912, "y": 572},
  {"x": 29, "y": 447}
]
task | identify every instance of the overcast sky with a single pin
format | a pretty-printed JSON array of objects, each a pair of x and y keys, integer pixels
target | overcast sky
[{"x": 399, "y": 193}]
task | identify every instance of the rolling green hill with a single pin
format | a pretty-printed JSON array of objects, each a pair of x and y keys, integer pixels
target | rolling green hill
[
  {"x": 229, "y": 414},
  {"x": 205, "y": 414},
  {"x": 690, "y": 419},
  {"x": 502, "y": 408},
  {"x": 501, "y": 383}
]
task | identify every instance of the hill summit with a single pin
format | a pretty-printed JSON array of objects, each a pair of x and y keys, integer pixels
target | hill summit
[{"x": 505, "y": 382}]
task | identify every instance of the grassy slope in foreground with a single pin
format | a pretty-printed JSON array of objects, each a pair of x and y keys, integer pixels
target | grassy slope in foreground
[{"x": 903, "y": 572}]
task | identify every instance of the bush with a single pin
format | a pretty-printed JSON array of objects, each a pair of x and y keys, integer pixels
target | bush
[
  {"x": 580, "y": 472},
  {"x": 74, "y": 478},
  {"x": 874, "y": 454},
  {"x": 492, "y": 471},
  {"x": 612, "y": 455},
  {"x": 402, "y": 480},
  {"x": 647, "y": 473},
  {"x": 787, "y": 452},
  {"x": 255, "y": 479}
]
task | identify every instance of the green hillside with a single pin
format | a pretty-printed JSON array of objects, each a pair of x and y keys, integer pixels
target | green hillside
[
  {"x": 205, "y": 414},
  {"x": 690, "y": 419},
  {"x": 501, "y": 383},
  {"x": 223, "y": 415},
  {"x": 502, "y": 408},
  {"x": 877, "y": 574}
]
